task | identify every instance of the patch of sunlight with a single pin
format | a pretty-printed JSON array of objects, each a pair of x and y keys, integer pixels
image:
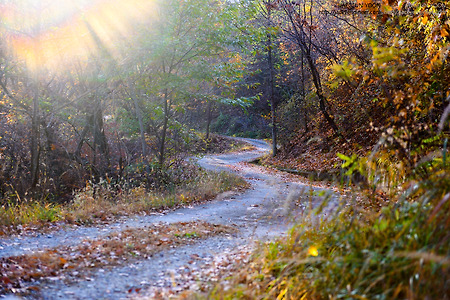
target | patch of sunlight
[{"x": 55, "y": 34}]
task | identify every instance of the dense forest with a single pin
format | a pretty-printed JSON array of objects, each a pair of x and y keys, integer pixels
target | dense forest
[
  {"x": 108, "y": 98},
  {"x": 111, "y": 94}
]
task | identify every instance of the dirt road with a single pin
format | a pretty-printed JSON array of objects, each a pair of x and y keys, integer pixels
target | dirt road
[{"x": 264, "y": 211}]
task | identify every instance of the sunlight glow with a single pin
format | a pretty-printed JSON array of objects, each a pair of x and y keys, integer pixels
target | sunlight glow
[{"x": 53, "y": 34}]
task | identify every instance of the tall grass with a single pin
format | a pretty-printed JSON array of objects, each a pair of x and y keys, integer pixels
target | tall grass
[
  {"x": 400, "y": 251},
  {"x": 102, "y": 201},
  {"x": 29, "y": 212}
]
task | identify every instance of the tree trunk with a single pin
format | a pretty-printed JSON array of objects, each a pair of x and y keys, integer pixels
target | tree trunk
[
  {"x": 164, "y": 130},
  {"x": 139, "y": 117},
  {"x": 77, "y": 153},
  {"x": 303, "y": 93},
  {"x": 52, "y": 155},
  {"x": 305, "y": 47},
  {"x": 322, "y": 100},
  {"x": 271, "y": 84},
  {"x": 209, "y": 118},
  {"x": 35, "y": 118},
  {"x": 99, "y": 130},
  {"x": 35, "y": 138}
]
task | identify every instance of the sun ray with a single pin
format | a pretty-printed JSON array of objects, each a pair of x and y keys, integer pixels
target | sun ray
[{"x": 53, "y": 34}]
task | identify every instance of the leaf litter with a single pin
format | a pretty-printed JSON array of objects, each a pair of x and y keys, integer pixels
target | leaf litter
[
  {"x": 22, "y": 274},
  {"x": 189, "y": 279}
]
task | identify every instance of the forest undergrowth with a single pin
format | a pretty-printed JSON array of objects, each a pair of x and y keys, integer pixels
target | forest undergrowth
[{"x": 178, "y": 185}]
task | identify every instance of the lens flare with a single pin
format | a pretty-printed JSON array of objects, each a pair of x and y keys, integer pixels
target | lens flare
[
  {"x": 53, "y": 34},
  {"x": 313, "y": 251}
]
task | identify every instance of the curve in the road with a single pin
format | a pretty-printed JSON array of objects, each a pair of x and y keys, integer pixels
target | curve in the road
[{"x": 263, "y": 211}]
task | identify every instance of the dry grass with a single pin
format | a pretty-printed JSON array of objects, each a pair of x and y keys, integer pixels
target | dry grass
[
  {"x": 103, "y": 201},
  {"x": 205, "y": 186}
]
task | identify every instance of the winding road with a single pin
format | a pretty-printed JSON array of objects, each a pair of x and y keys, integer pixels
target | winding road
[{"x": 264, "y": 211}]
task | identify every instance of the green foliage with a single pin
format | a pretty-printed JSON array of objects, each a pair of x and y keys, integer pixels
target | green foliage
[
  {"x": 351, "y": 164},
  {"x": 188, "y": 235},
  {"x": 343, "y": 71},
  {"x": 243, "y": 126},
  {"x": 241, "y": 101}
]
